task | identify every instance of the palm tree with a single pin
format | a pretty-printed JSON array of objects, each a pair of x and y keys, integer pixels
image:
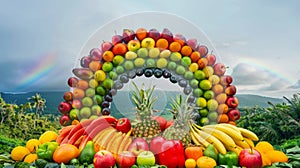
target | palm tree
[{"x": 38, "y": 103}]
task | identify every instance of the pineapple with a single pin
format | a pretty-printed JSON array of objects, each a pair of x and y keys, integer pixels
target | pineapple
[
  {"x": 146, "y": 127},
  {"x": 183, "y": 115}
]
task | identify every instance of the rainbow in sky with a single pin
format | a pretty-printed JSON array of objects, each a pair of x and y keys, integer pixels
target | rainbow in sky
[{"x": 37, "y": 71}]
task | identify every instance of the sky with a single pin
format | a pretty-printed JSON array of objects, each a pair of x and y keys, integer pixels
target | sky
[{"x": 42, "y": 41}]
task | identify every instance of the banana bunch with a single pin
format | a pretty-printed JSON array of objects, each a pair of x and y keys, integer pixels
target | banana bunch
[{"x": 224, "y": 137}]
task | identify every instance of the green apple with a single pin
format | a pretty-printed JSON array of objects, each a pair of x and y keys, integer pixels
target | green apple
[
  {"x": 212, "y": 105},
  {"x": 203, "y": 112},
  {"x": 150, "y": 63},
  {"x": 188, "y": 75},
  {"x": 180, "y": 70},
  {"x": 100, "y": 90},
  {"x": 133, "y": 45},
  {"x": 175, "y": 56},
  {"x": 128, "y": 65},
  {"x": 194, "y": 83},
  {"x": 90, "y": 92},
  {"x": 107, "y": 66},
  {"x": 87, "y": 101},
  {"x": 139, "y": 62},
  {"x": 209, "y": 94},
  {"x": 98, "y": 99},
  {"x": 165, "y": 54},
  {"x": 205, "y": 84},
  {"x": 145, "y": 158},
  {"x": 148, "y": 42},
  {"x": 85, "y": 112},
  {"x": 199, "y": 74},
  {"x": 154, "y": 52},
  {"x": 113, "y": 75},
  {"x": 96, "y": 110},
  {"x": 108, "y": 83},
  {"x": 130, "y": 55},
  {"x": 161, "y": 63},
  {"x": 172, "y": 65},
  {"x": 74, "y": 114},
  {"x": 186, "y": 61},
  {"x": 212, "y": 116},
  {"x": 197, "y": 92},
  {"x": 142, "y": 52},
  {"x": 118, "y": 60},
  {"x": 120, "y": 69}
]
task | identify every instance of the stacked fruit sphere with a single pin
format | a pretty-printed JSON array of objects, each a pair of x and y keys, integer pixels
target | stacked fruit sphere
[{"x": 151, "y": 54}]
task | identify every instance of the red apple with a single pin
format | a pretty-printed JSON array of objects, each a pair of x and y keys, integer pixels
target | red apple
[
  {"x": 64, "y": 107},
  {"x": 234, "y": 114},
  {"x": 116, "y": 39},
  {"x": 155, "y": 144},
  {"x": 76, "y": 104},
  {"x": 106, "y": 45},
  {"x": 250, "y": 158},
  {"x": 230, "y": 90},
  {"x": 162, "y": 122},
  {"x": 104, "y": 159},
  {"x": 64, "y": 120},
  {"x": 96, "y": 54},
  {"x": 193, "y": 43},
  {"x": 211, "y": 58},
  {"x": 68, "y": 96},
  {"x": 219, "y": 69},
  {"x": 203, "y": 50},
  {"x": 138, "y": 145},
  {"x": 232, "y": 102},
  {"x": 180, "y": 38},
  {"x": 128, "y": 35},
  {"x": 154, "y": 33},
  {"x": 72, "y": 81},
  {"x": 167, "y": 34},
  {"x": 226, "y": 80},
  {"x": 126, "y": 159}
]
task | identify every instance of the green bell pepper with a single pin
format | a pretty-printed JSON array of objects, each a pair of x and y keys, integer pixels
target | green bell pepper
[
  {"x": 230, "y": 159},
  {"x": 46, "y": 150}
]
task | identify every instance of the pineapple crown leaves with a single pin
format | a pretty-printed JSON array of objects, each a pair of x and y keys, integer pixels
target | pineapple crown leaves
[{"x": 143, "y": 100}]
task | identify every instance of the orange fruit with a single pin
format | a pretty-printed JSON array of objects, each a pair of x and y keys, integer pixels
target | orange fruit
[
  {"x": 190, "y": 163},
  {"x": 193, "y": 152},
  {"x": 186, "y": 50},
  {"x": 232, "y": 122},
  {"x": 94, "y": 65},
  {"x": 223, "y": 118},
  {"x": 175, "y": 46},
  {"x": 65, "y": 152},
  {"x": 195, "y": 56},
  {"x": 82, "y": 84},
  {"x": 48, "y": 136},
  {"x": 31, "y": 158},
  {"x": 78, "y": 93},
  {"x": 222, "y": 108},
  {"x": 141, "y": 33},
  {"x": 264, "y": 146},
  {"x": 162, "y": 43},
  {"x": 276, "y": 156},
  {"x": 119, "y": 49},
  {"x": 19, "y": 153},
  {"x": 202, "y": 62},
  {"x": 108, "y": 56},
  {"x": 206, "y": 162}
]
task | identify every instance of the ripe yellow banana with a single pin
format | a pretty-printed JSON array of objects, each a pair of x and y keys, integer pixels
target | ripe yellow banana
[
  {"x": 224, "y": 138},
  {"x": 213, "y": 140},
  {"x": 242, "y": 144},
  {"x": 235, "y": 149},
  {"x": 103, "y": 141},
  {"x": 197, "y": 139},
  {"x": 249, "y": 142},
  {"x": 235, "y": 135},
  {"x": 101, "y": 134},
  {"x": 113, "y": 141},
  {"x": 230, "y": 126},
  {"x": 248, "y": 134},
  {"x": 123, "y": 143}
]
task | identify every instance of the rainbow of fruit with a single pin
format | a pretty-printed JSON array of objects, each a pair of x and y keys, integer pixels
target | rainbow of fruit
[{"x": 201, "y": 134}]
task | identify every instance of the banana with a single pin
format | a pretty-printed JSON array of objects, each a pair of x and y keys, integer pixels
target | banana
[
  {"x": 128, "y": 142},
  {"x": 235, "y": 149},
  {"x": 249, "y": 142},
  {"x": 101, "y": 134},
  {"x": 224, "y": 138},
  {"x": 103, "y": 141},
  {"x": 248, "y": 134},
  {"x": 242, "y": 144},
  {"x": 230, "y": 126},
  {"x": 213, "y": 140},
  {"x": 113, "y": 141},
  {"x": 236, "y": 135},
  {"x": 115, "y": 147},
  {"x": 198, "y": 140},
  {"x": 123, "y": 143}
]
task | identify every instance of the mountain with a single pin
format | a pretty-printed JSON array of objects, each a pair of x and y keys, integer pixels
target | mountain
[{"x": 122, "y": 104}]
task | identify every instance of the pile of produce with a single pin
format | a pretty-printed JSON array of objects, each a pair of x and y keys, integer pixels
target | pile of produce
[{"x": 202, "y": 132}]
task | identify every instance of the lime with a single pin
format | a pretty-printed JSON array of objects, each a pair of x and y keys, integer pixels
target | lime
[
  {"x": 172, "y": 65},
  {"x": 175, "y": 56},
  {"x": 204, "y": 121},
  {"x": 197, "y": 92},
  {"x": 201, "y": 102},
  {"x": 186, "y": 61},
  {"x": 213, "y": 116},
  {"x": 150, "y": 63},
  {"x": 194, "y": 83},
  {"x": 203, "y": 112},
  {"x": 199, "y": 74},
  {"x": 98, "y": 99},
  {"x": 180, "y": 70},
  {"x": 118, "y": 60},
  {"x": 212, "y": 105},
  {"x": 205, "y": 84},
  {"x": 113, "y": 75},
  {"x": 108, "y": 83},
  {"x": 120, "y": 69},
  {"x": 128, "y": 65},
  {"x": 101, "y": 90},
  {"x": 209, "y": 94},
  {"x": 188, "y": 75},
  {"x": 107, "y": 66}
]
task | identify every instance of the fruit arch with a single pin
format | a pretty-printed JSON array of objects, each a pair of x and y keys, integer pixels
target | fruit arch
[{"x": 150, "y": 53}]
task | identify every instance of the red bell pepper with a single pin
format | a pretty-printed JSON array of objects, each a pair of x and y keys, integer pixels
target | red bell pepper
[{"x": 123, "y": 125}]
